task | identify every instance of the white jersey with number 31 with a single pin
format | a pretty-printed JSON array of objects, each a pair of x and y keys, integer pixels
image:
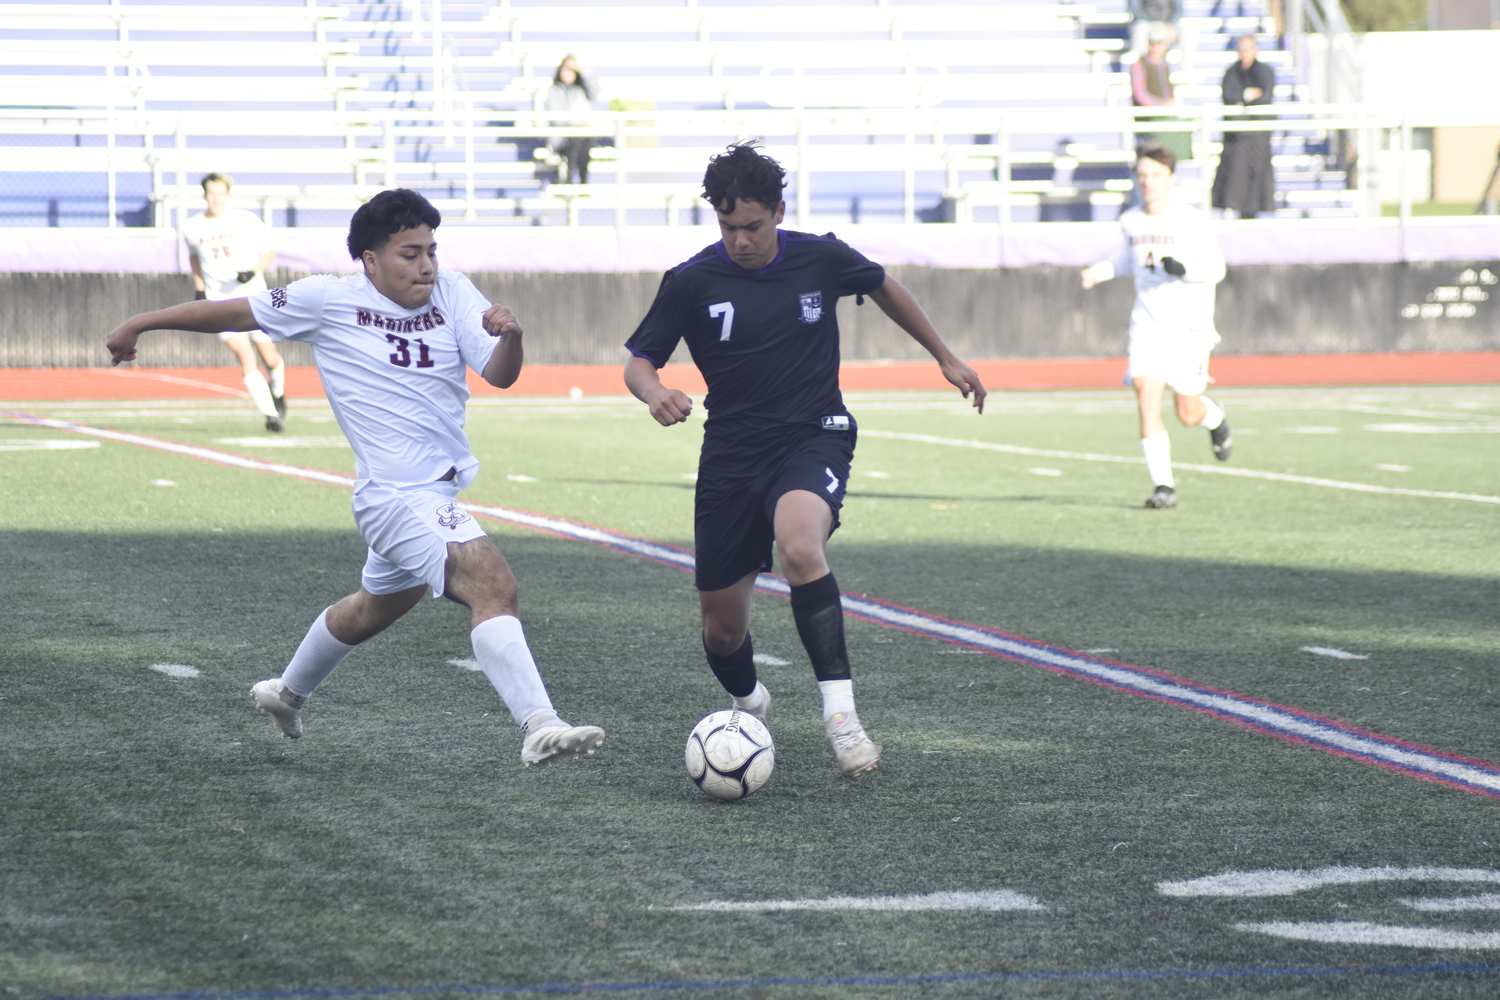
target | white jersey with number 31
[
  {"x": 1176, "y": 308},
  {"x": 395, "y": 377}
]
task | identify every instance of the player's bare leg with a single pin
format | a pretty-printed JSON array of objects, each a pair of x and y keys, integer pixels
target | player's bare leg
[
  {"x": 478, "y": 577},
  {"x": 728, "y": 647},
  {"x": 802, "y": 524},
  {"x": 1155, "y": 443},
  {"x": 255, "y": 382},
  {"x": 1195, "y": 411},
  {"x": 333, "y": 636},
  {"x": 275, "y": 373}
]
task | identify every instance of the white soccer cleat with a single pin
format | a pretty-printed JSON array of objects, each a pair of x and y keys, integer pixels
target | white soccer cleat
[
  {"x": 761, "y": 710},
  {"x": 272, "y": 697},
  {"x": 554, "y": 743},
  {"x": 856, "y": 752}
]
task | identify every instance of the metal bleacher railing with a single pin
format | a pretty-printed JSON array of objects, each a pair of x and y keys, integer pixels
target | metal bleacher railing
[{"x": 907, "y": 113}]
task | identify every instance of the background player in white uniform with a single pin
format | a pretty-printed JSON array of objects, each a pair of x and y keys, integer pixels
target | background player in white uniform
[
  {"x": 229, "y": 251},
  {"x": 1172, "y": 251},
  {"x": 392, "y": 345}
]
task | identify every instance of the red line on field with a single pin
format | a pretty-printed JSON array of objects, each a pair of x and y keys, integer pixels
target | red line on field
[{"x": 1229, "y": 370}]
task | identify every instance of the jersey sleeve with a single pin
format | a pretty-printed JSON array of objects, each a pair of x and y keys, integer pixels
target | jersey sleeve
[
  {"x": 858, "y": 274},
  {"x": 261, "y": 236},
  {"x": 664, "y": 326},
  {"x": 190, "y": 237},
  {"x": 294, "y": 312},
  {"x": 474, "y": 342}
]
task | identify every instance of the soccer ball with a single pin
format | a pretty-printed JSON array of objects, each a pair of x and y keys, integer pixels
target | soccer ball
[{"x": 730, "y": 754}]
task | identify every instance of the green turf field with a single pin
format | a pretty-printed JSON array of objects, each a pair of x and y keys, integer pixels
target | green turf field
[{"x": 157, "y": 836}]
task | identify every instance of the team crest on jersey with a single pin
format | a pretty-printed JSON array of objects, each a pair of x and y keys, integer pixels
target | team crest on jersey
[
  {"x": 812, "y": 307},
  {"x": 449, "y": 516}
]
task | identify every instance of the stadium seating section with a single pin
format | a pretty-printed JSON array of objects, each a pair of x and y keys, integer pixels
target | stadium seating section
[{"x": 910, "y": 111}]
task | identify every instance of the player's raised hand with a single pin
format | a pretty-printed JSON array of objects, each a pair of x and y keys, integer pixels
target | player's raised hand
[
  {"x": 500, "y": 322},
  {"x": 121, "y": 343},
  {"x": 670, "y": 406},
  {"x": 967, "y": 381}
]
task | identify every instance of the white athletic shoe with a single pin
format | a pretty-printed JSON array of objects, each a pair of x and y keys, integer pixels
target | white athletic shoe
[
  {"x": 271, "y": 697},
  {"x": 554, "y": 743},
  {"x": 857, "y": 753},
  {"x": 764, "y": 697}
]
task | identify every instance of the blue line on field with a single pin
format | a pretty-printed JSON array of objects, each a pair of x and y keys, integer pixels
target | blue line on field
[
  {"x": 1280, "y": 972},
  {"x": 1282, "y": 722}
]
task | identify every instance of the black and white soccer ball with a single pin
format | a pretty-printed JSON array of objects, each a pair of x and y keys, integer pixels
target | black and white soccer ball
[{"x": 730, "y": 754}]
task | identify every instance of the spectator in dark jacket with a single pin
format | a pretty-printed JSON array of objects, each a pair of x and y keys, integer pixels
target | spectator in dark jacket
[{"x": 1245, "y": 185}]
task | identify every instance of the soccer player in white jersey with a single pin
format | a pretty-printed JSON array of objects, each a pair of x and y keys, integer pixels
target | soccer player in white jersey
[
  {"x": 1175, "y": 258},
  {"x": 392, "y": 345},
  {"x": 229, "y": 250}
]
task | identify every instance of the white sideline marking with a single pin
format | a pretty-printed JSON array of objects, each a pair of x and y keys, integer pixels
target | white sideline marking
[
  {"x": 1268, "y": 882},
  {"x": 522, "y": 479},
  {"x": 162, "y": 482},
  {"x": 993, "y": 900},
  {"x": 285, "y": 442},
  {"x": 176, "y": 669},
  {"x": 54, "y": 444},
  {"x": 1045, "y": 472},
  {"x": 1337, "y": 654},
  {"x": 1281, "y": 477},
  {"x": 1456, "y": 904},
  {"x": 1362, "y": 932},
  {"x": 1311, "y": 430},
  {"x": 1435, "y": 428},
  {"x": 769, "y": 660},
  {"x": 1393, "y": 468},
  {"x": 467, "y": 664},
  {"x": 177, "y": 380}
]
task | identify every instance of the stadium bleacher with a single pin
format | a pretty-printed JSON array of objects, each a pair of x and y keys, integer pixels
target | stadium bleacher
[{"x": 113, "y": 109}]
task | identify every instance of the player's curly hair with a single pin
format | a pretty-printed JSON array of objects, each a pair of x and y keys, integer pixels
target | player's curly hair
[
  {"x": 1156, "y": 151},
  {"x": 743, "y": 172},
  {"x": 385, "y": 215}
]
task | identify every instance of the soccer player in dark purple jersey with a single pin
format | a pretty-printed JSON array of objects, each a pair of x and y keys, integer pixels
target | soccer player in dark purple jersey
[{"x": 757, "y": 312}]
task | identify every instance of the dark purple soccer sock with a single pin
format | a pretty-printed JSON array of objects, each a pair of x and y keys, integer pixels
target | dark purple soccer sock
[
  {"x": 819, "y": 614},
  {"x": 736, "y": 672}
]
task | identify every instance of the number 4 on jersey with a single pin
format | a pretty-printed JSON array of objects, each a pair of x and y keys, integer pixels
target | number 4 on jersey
[{"x": 726, "y": 310}]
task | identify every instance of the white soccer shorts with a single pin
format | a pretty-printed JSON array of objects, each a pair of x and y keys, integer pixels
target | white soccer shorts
[
  {"x": 1185, "y": 370},
  {"x": 408, "y": 531},
  {"x": 257, "y": 336}
]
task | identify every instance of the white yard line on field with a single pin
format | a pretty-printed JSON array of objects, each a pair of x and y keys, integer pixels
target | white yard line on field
[{"x": 1219, "y": 470}]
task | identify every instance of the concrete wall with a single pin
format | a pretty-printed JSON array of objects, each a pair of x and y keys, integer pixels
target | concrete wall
[{"x": 61, "y": 319}]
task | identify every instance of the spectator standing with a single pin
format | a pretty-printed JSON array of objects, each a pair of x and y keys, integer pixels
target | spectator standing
[
  {"x": 1151, "y": 87},
  {"x": 1146, "y": 15},
  {"x": 572, "y": 92},
  {"x": 1245, "y": 185},
  {"x": 229, "y": 251}
]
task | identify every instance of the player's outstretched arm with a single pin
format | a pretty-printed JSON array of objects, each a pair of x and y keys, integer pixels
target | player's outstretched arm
[
  {"x": 201, "y": 317},
  {"x": 504, "y": 365},
  {"x": 901, "y": 306},
  {"x": 667, "y": 406}
]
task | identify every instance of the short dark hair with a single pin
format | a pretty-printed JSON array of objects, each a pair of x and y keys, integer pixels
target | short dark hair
[
  {"x": 385, "y": 215},
  {"x": 208, "y": 179},
  {"x": 1156, "y": 151},
  {"x": 743, "y": 172}
]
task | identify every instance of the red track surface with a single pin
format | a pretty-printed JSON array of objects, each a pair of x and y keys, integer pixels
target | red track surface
[{"x": 1419, "y": 368}]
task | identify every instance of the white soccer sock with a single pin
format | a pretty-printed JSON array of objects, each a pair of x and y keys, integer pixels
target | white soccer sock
[
  {"x": 277, "y": 379},
  {"x": 838, "y": 696},
  {"x": 500, "y": 647},
  {"x": 1215, "y": 414},
  {"x": 1158, "y": 449},
  {"x": 754, "y": 700},
  {"x": 315, "y": 659},
  {"x": 260, "y": 393}
]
